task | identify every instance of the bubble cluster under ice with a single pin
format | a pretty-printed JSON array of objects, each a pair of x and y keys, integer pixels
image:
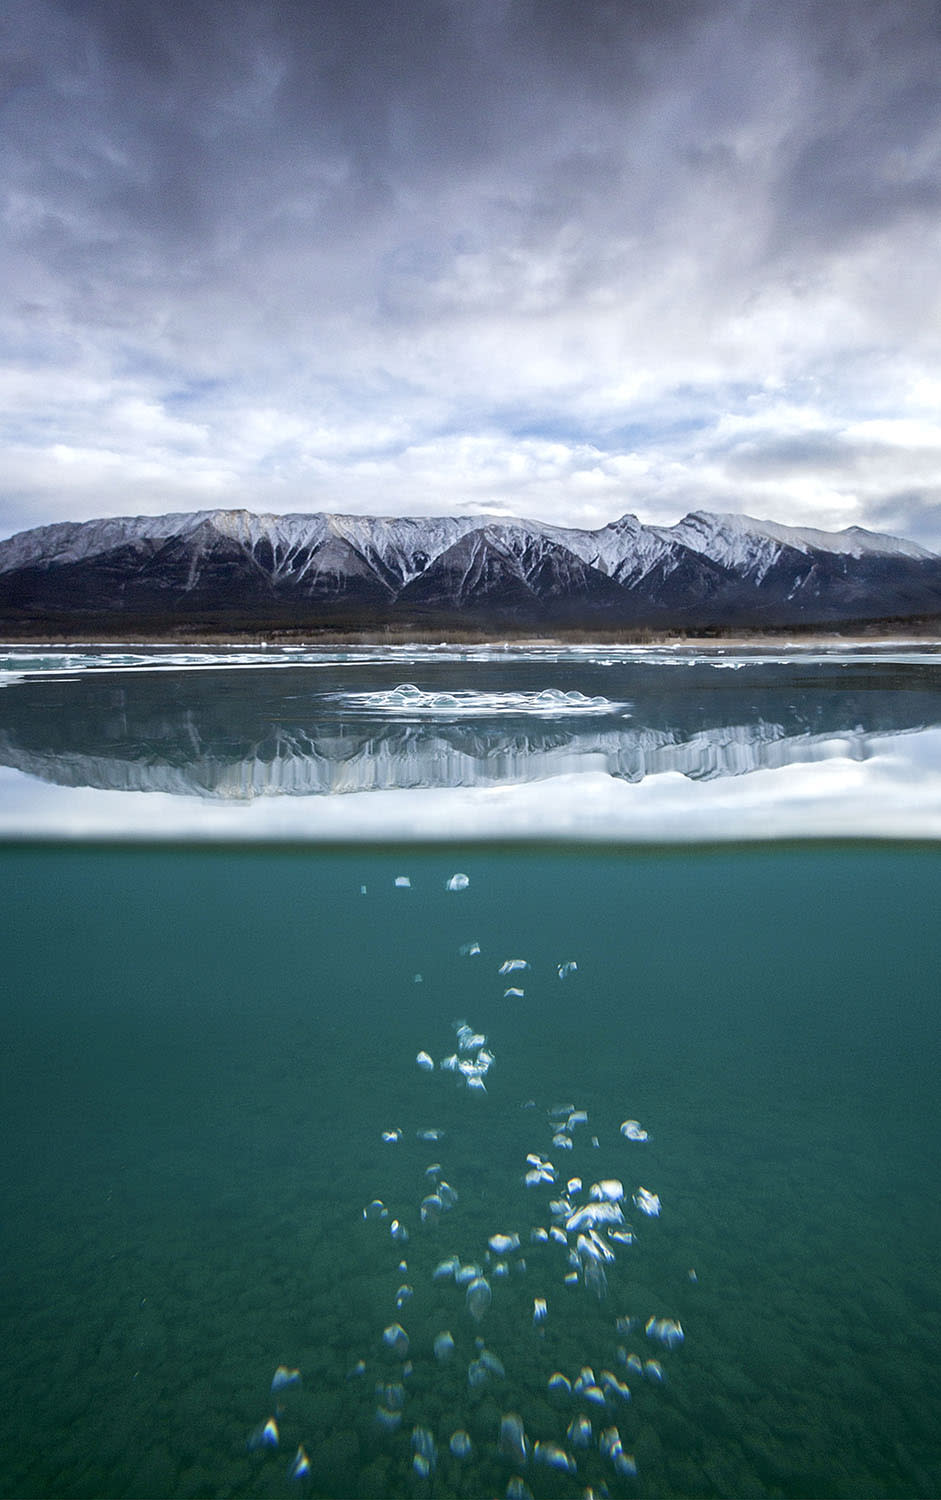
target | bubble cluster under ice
[{"x": 406, "y": 698}]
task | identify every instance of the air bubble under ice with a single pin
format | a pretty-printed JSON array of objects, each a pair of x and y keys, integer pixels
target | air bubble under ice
[{"x": 410, "y": 700}]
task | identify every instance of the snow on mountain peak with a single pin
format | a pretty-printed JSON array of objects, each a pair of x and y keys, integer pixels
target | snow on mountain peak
[
  {"x": 706, "y": 568},
  {"x": 737, "y": 540}
]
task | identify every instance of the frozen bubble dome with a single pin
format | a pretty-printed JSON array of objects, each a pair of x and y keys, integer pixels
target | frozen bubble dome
[{"x": 410, "y": 700}]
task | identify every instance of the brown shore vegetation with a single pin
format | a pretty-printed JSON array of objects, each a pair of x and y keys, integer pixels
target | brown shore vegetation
[{"x": 209, "y": 631}]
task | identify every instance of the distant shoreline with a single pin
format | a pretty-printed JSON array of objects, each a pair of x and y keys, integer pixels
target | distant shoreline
[{"x": 926, "y": 633}]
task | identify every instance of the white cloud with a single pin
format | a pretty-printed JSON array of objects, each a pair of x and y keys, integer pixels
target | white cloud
[{"x": 684, "y": 262}]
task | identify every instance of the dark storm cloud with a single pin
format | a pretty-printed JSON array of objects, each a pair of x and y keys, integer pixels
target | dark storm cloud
[
  {"x": 197, "y": 126},
  {"x": 868, "y": 154},
  {"x": 322, "y": 232}
]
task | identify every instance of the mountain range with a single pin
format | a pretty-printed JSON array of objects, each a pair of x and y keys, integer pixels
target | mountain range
[{"x": 230, "y": 569}]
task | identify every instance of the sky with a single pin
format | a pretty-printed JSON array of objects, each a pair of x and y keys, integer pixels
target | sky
[{"x": 556, "y": 259}]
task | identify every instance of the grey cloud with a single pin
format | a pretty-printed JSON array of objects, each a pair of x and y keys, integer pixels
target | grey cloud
[
  {"x": 188, "y": 132},
  {"x": 454, "y": 210},
  {"x": 913, "y": 513},
  {"x": 863, "y": 152},
  {"x": 768, "y": 455}
]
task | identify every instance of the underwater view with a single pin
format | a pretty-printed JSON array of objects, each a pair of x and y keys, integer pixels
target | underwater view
[{"x": 470, "y": 1072}]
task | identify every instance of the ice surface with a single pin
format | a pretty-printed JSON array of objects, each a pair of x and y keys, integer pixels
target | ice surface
[
  {"x": 99, "y": 658},
  {"x": 868, "y": 766}
]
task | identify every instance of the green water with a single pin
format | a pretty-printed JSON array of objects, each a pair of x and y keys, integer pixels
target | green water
[{"x": 202, "y": 1048}]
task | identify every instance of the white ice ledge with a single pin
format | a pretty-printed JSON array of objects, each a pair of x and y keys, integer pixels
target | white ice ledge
[{"x": 894, "y": 794}]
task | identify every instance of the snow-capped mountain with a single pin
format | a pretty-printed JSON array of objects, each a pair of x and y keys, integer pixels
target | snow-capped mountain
[{"x": 231, "y": 567}]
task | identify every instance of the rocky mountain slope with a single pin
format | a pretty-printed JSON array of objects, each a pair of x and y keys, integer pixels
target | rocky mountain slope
[{"x": 229, "y": 567}]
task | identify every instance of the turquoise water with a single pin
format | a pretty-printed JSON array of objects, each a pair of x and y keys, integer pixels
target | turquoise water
[{"x": 202, "y": 1048}]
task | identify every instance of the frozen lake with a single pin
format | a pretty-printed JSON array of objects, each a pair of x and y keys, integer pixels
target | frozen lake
[{"x": 637, "y": 745}]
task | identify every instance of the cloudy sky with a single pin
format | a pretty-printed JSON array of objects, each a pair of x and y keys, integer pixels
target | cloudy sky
[{"x": 560, "y": 259}]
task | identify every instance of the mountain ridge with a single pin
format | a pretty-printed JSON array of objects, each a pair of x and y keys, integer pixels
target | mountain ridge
[{"x": 708, "y": 570}]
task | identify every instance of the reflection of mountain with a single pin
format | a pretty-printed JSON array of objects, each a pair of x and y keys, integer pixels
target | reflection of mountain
[
  {"x": 241, "y": 735},
  {"x": 427, "y": 757}
]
